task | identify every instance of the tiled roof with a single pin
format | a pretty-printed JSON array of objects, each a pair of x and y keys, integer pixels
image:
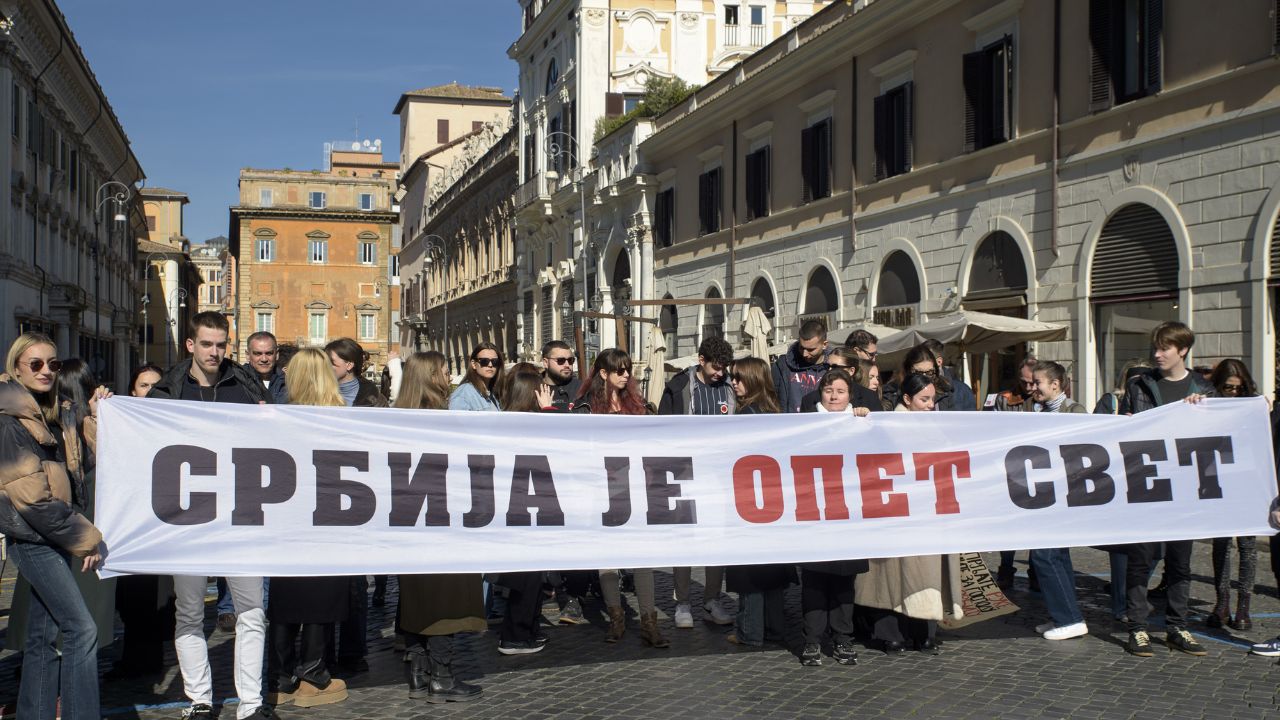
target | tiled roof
[
  {"x": 454, "y": 91},
  {"x": 165, "y": 192},
  {"x": 147, "y": 246}
]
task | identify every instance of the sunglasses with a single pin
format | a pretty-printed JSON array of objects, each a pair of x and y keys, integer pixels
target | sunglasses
[
  {"x": 563, "y": 360},
  {"x": 622, "y": 371},
  {"x": 486, "y": 362},
  {"x": 1232, "y": 388},
  {"x": 37, "y": 365}
]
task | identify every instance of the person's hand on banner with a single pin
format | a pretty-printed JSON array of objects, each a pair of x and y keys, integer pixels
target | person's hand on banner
[
  {"x": 91, "y": 562},
  {"x": 101, "y": 393},
  {"x": 1274, "y": 517},
  {"x": 861, "y": 412},
  {"x": 1194, "y": 398}
]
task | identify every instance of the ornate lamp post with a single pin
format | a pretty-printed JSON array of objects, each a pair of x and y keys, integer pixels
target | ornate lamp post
[
  {"x": 560, "y": 145},
  {"x": 177, "y": 297},
  {"x": 118, "y": 194}
]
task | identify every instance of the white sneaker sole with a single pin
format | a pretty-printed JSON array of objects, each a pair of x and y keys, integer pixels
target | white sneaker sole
[{"x": 1068, "y": 632}]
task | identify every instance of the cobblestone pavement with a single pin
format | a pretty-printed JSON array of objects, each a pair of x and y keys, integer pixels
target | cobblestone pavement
[{"x": 994, "y": 669}]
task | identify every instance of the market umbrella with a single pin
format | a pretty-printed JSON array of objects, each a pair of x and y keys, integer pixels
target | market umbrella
[
  {"x": 655, "y": 354},
  {"x": 971, "y": 331},
  {"x": 757, "y": 327}
]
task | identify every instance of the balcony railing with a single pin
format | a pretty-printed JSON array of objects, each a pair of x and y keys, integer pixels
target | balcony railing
[
  {"x": 757, "y": 35},
  {"x": 730, "y": 35},
  {"x": 529, "y": 191}
]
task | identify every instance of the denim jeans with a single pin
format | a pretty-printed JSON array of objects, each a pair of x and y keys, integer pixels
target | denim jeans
[
  {"x": 1057, "y": 584},
  {"x": 225, "y": 606},
  {"x": 761, "y": 616},
  {"x": 56, "y": 606}
]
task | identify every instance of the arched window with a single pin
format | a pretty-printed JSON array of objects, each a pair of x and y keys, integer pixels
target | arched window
[
  {"x": 553, "y": 77},
  {"x": 821, "y": 295},
  {"x": 713, "y": 316},
  {"x": 998, "y": 268},
  {"x": 762, "y": 297},
  {"x": 898, "y": 291},
  {"x": 1133, "y": 286}
]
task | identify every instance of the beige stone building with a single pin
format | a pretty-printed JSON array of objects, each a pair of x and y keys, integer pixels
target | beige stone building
[
  {"x": 171, "y": 277},
  {"x": 210, "y": 259},
  {"x": 1106, "y": 169},
  {"x": 580, "y": 61},
  {"x": 315, "y": 255},
  {"x": 67, "y": 266}
]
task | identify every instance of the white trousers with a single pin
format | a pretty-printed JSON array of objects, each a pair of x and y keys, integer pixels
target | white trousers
[{"x": 193, "y": 652}]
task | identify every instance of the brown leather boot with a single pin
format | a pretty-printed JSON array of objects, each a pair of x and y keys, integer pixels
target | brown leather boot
[
  {"x": 1242, "y": 621},
  {"x": 617, "y": 625},
  {"x": 649, "y": 632},
  {"x": 1221, "y": 615}
]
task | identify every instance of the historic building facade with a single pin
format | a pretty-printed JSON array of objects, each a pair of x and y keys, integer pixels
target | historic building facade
[
  {"x": 314, "y": 255},
  {"x": 66, "y": 263},
  {"x": 460, "y": 267},
  {"x": 888, "y": 162},
  {"x": 580, "y": 61}
]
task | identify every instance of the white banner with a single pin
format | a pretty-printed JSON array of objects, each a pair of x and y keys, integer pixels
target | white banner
[{"x": 222, "y": 489}]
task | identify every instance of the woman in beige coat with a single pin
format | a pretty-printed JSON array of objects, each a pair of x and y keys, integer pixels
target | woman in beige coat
[{"x": 904, "y": 598}]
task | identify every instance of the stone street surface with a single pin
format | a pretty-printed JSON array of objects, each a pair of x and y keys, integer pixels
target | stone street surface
[{"x": 993, "y": 669}]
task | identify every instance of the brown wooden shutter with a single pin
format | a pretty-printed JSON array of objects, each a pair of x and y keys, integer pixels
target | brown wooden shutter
[
  {"x": 907, "y": 136},
  {"x": 1101, "y": 48},
  {"x": 881, "y": 121},
  {"x": 717, "y": 198},
  {"x": 752, "y": 184},
  {"x": 806, "y": 165},
  {"x": 442, "y": 130},
  {"x": 822, "y": 158},
  {"x": 763, "y": 185},
  {"x": 1154, "y": 37},
  {"x": 1136, "y": 255},
  {"x": 971, "y": 75},
  {"x": 1275, "y": 247},
  {"x": 1002, "y": 91},
  {"x": 613, "y": 104}
]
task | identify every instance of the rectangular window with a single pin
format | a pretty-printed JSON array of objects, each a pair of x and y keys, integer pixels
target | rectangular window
[
  {"x": 393, "y": 267},
  {"x": 530, "y": 156},
  {"x": 368, "y": 253},
  {"x": 318, "y": 200},
  {"x": 265, "y": 197},
  {"x": 476, "y": 125},
  {"x": 664, "y": 215},
  {"x": 73, "y": 174},
  {"x": 554, "y": 127},
  {"x": 709, "y": 193},
  {"x": 319, "y": 251},
  {"x": 758, "y": 183},
  {"x": 815, "y": 161},
  {"x": 894, "y": 130},
  {"x": 318, "y": 327},
  {"x": 1125, "y": 38},
  {"x": 442, "y": 130},
  {"x": 988, "y": 95},
  {"x": 631, "y": 102},
  {"x": 757, "y": 25},
  {"x": 757, "y": 14},
  {"x": 366, "y": 201},
  {"x": 368, "y": 329},
  {"x": 266, "y": 322},
  {"x": 266, "y": 250},
  {"x": 730, "y": 14},
  {"x": 151, "y": 223}
]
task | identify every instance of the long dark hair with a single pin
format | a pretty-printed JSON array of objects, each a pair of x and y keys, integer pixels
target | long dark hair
[
  {"x": 1230, "y": 367},
  {"x": 474, "y": 378},
  {"x": 522, "y": 391},
  {"x": 75, "y": 384},
  {"x": 598, "y": 393},
  {"x": 912, "y": 385},
  {"x": 924, "y": 353},
  {"x": 757, "y": 381}
]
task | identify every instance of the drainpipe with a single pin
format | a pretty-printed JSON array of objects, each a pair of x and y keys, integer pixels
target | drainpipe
[{"x": 1057, "y": 76}]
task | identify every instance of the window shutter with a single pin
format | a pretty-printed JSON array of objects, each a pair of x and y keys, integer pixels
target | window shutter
[
  {"x": 1154, "y": 37},
  {"x": 1275, "y": 21},
  {"x": 908, "y": 126},
  {"x": 613, "y": 104},
  {"x": 1101, "y": 39},
  {"x": 823, "y": 159},
  {"x": 881, "y": 120},
  {"x": 1275, "y": 249},
  {"x": 806, "y": 165},
  {"x": 763, "y": 184},
  {"x": 753, "y": 181},
  {"x": 972, "y": 75},
  {"x": 1002, "y": 93},
  {"x": 703, "y": 201},
  {"x": 1136, "y": 255},
  {"x": 717, "y": 198}
]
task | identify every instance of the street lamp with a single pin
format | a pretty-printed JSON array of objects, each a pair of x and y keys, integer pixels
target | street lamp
[
  {"x": 177, "y": 297},
  {"x": 438, "y": 248},
  {"x": 146, "y": 300},
  {"x": 560, "y": 145},
  {"x": 118, "y": 193}
]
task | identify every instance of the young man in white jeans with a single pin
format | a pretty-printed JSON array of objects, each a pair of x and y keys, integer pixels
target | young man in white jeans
[{"x": 209, "y": 377}]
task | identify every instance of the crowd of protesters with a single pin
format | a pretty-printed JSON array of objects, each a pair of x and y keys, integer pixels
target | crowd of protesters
[{"x": 299, "y": 637}]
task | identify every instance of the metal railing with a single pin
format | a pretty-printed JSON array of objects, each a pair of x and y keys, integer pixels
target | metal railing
[
  {"x": 757, "y": 35},
  {"x": 730, "y": 35}
]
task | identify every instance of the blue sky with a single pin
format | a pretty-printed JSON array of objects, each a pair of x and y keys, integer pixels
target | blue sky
[{"x": 206, "y": 88}]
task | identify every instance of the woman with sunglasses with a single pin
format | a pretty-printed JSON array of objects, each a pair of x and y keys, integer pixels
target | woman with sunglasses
[
  {"x": 1232, "y": 379},
  {"x": 921, "y": 360},
  {"x": 610, "y": 389},
  {"x": 484, "y": 377},
  {"x": 904, "y": 598},
  {"x": 47, "y": 534},
  {"x": 761, "y": 607}
]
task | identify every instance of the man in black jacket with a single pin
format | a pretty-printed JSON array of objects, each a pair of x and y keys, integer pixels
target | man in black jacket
[
  {"x": 1169, "y": 382},
  {"x": 208, "y": 376},
  {"x": 264, "y": 361},
  {"x": 557, "y": 372}
]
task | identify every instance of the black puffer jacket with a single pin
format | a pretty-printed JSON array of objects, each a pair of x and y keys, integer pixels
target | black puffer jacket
[
  {"x": 170, "y": 386},
  {"x": 1143, "y": 392}
]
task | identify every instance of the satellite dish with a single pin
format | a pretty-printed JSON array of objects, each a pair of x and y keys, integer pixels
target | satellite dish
[
  {"x": 378, "y": 142},
  {"x": 355, "y": 146},
  {"x": 366, "y": 143}
]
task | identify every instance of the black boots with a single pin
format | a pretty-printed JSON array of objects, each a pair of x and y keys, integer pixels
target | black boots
[{"x": 433, "y": 680}]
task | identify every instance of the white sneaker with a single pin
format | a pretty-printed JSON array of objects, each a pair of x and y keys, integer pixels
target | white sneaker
[
  {"x": 684, "y": 616},
  {"x": 1066, "y": 632},
  {"x": 716, "y": 614},
  {"x": 1043, "y": 628}
]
